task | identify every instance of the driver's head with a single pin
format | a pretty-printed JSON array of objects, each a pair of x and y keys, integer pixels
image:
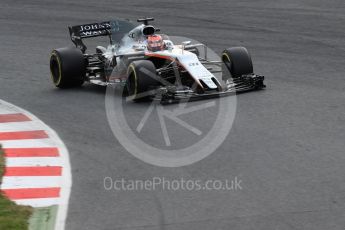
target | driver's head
[{"x": 155, "y": 43}]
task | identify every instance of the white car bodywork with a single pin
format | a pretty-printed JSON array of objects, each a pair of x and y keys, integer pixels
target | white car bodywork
[{"x": 136, "y": 45}]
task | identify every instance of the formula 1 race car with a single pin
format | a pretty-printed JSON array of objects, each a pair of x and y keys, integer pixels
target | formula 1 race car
[{"x": 149, "y": 65}]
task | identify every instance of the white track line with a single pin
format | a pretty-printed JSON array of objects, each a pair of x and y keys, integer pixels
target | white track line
[
  {"x": 42, "y": 202},
  {"x": 48, "y": 142},
  {"x": 16, "y": 182},
  {"x": 33, "y": 161},
  {"x": 7, "y": 109},
  {"x": 20, "y": 126}
]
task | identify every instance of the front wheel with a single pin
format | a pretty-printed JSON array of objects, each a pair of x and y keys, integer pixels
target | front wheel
[
  {"x": 237, "y": 61},
  {"x": 142, "y": 78},
  {"x": 67, "y": 67}
]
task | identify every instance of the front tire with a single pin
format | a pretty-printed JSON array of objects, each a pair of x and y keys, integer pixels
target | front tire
[
  {"x": 237, "y": 61},
  {"x": 142, "y": 78},
  {"x": 67, "y": 67}
]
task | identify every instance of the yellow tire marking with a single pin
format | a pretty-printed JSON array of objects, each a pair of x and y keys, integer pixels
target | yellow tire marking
[
  {"x": 131, "y": 66},
  {"x": 227, "y": 56},
  {"x": 60, "y": 70}
]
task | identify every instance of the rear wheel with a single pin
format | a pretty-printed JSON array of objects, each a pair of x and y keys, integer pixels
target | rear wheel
[
  {"x": 237, "y": 61},
  {"x": 67, "y": 67},
  {"x": 142, "y": 78}
]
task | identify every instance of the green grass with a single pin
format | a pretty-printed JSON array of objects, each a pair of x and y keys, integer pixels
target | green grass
[{"x": 12, "y": 216}]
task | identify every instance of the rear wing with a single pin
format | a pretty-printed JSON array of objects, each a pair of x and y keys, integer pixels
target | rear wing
[
  {"x": 114, "y": 29},
  {"x": 80, "y": 32}
]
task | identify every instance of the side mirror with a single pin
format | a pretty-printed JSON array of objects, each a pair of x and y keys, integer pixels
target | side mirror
[
  {"x": 186, "y": 43},
  {"x": 138, "y": 47}
]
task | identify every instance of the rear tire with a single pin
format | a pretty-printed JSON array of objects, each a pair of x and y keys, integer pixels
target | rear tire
[
  {"x": 237, "y": 61},
  {"x": 142, "y": 78},
  {"x": 67, "y": 67}
]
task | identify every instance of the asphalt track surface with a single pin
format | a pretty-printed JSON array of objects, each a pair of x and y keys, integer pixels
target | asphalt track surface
[{"x": 286, "y": 144}]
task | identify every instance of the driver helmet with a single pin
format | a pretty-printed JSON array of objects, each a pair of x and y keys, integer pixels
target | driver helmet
[{"x": 155, "y": 43}]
